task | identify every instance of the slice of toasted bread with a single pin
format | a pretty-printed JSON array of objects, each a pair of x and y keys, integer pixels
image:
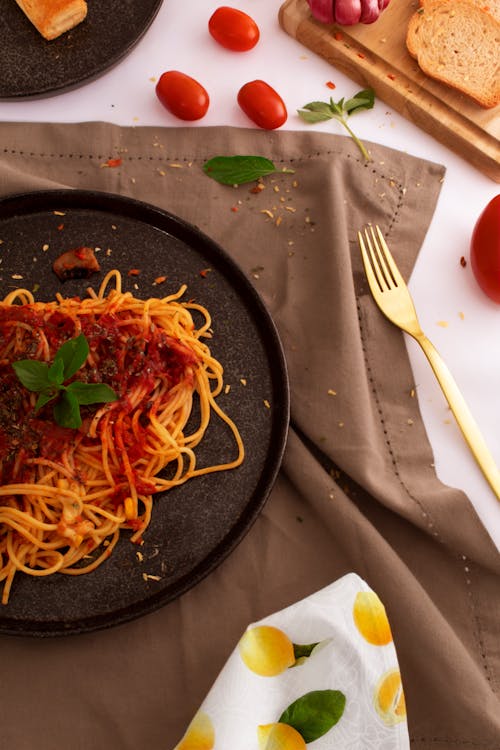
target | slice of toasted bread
[
  {"x": 54, "y": 17},
  {"x": 458, "y": 42}
]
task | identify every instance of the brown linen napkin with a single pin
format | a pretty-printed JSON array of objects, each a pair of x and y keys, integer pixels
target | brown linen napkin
[{"x": 357, "y": 491}]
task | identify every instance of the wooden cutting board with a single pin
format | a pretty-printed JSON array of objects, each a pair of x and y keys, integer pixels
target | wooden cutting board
[{"x": 375, "y": 56}]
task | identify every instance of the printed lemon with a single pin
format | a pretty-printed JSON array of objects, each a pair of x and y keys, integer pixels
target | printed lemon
[
  {"x": 266, "y": 650},
  {"x": 370, "y": 618},
  {"x": 199, "y": 735},
  {"x": 390, "y": 698},
  {"x": 279, "y": 736}
]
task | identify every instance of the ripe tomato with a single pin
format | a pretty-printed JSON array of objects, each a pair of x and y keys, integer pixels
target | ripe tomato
[
  {"x": 233, "y": 29},
  {"x": 262, "y": 104},
  {"x": 485, "y": 250},
  {"x": 182, "y": 95}
]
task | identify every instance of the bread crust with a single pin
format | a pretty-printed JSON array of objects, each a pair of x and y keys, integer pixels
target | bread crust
[
  {"x": 457, "y": 42},
  {"x": 52, "y": 18}
]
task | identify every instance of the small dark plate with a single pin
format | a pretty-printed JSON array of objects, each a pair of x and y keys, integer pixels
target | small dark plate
[
  {"x": 196, "y": 525},
  {"x": 32, "y": 67}
]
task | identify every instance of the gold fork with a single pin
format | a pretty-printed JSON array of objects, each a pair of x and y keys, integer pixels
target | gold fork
[{"x": 391, "y": 294}]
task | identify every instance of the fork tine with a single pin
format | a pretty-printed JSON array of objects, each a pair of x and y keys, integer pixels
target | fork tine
[
  {"x": 375, "y": 279},
  {"x": 386, "y": 256}
]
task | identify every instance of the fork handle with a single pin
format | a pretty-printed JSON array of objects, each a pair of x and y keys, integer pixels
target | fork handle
[{"x": 461, "y": 412}]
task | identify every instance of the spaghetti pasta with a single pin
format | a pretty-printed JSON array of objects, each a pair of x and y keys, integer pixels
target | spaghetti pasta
[{"x": 65, "y": 494}]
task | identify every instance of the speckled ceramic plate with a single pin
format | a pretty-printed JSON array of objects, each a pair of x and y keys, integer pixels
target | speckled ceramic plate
[
  {"x": 32, "y": 67},
  {"x": 196, "y": 525}
]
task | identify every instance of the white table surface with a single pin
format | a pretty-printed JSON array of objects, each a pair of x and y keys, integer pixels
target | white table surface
[{"x": 443, "y": 290}]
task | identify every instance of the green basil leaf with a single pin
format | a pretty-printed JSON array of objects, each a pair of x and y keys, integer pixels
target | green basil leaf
[
  {"x": 362, "y": 100},
  {"x": 43, "y": 399},
  {"x": 55, "y": 372},
  {"x": 91, "y": 393},
  {"x": 236, "y": 170},
  {"x": 73, "y": 354},
  {"x": 32, "y": 374},
  {"x": 314, "y": 116},
  {"x": 67, "y": 411},
  {"x": 315, "y": 713}
]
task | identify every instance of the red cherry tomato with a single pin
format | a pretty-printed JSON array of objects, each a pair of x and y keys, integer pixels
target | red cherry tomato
[
  {"x": 233, "y": 29},
  {"x": 182, "y": 95},
  {"x": 262, "y": 104},
  {"x": 485, "y": 250}
]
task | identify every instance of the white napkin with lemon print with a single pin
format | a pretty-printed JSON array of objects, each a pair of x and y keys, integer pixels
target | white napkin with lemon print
[{"x": 322, "y": 672}]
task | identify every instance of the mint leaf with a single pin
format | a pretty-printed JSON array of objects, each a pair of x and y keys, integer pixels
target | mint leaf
[
  {"x": 236, "y": 170},
  {"x": 315, "y": 713},
  {"x": 32, "y": 374},
  {"x": 67, "y": 411},
  {"x": 73, "y": 354},
  {"x": 91, "y": 393}
]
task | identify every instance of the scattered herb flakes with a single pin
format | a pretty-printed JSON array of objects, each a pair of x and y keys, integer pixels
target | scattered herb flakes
[
  {"x": 315, "y": 112},
  {"x": 237, "y": 170}
]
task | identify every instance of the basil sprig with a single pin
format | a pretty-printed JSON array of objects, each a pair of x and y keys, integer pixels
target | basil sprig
[
  {"x": 48, "y": 381},
  {"x": 321, "y": 111}
]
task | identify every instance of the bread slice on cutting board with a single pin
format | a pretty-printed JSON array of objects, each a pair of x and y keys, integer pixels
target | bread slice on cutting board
[
  {"x": 54, "y": 17},
  {"x": 458, "y": 42}
]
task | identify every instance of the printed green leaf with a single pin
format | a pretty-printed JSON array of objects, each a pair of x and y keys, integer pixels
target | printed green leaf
[
  {"x": 67, "y": 411},
  {"x": 91, "y": 393},
  {"x": 302, "y": 651},
  {"x": 32, "y": 374},
  {"x": 236, "y": 170},
  {"x": 73, "y": 353},
  {"x": 315, "y": 713}
]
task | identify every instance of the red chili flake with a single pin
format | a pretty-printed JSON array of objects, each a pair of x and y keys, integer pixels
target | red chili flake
[
  {"x": 331, "y": 85},
  {"x": 112, "y": 163},
  {"x": 234, "y": 209},
  {"x": 338, "y": 36},
  {"x": 258, "y": 188},
  {"x": 204, "y": 272},
  {"x": 463, "y": 262},
  {"x": 391, "y": 76},
  {"x": 160, "y": 279},
  {"x": 134, "y": 272},
  {"x": 360, "y": 54},
  {"x": 60, "y": 227}
]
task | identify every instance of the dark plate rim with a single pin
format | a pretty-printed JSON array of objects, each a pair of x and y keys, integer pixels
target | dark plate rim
[
  {"x": 94, "y": 72},
  {"x": 19, "y": 204}
]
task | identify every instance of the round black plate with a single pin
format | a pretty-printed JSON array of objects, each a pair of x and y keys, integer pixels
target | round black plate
[
  {"x": 194, "y": 526},
  {"x": 32, "y": 67}
]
